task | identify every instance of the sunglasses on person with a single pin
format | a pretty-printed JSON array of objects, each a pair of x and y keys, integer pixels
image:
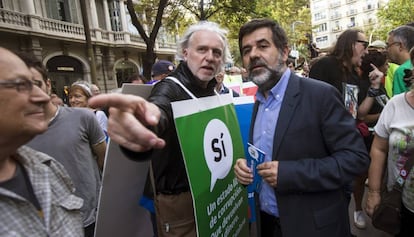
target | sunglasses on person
[{"x": 364, "y": 43}]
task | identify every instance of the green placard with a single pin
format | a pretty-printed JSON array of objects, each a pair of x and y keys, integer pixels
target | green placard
[{"x": 211, "y": 143}]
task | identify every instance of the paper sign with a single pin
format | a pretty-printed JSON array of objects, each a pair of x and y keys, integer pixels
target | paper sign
[
  {"x": 211, "y": 142},
  {"x": 123, "y": 181}
]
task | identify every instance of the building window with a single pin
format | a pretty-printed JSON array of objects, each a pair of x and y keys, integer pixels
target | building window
[
  {"x": 319, "y": 16},
  {"x": 322, "y": 27},
  {"x": 322, "y": 39},
  {"x": 335, "y": 15},
  {"x": 63, "y": 16},
  {"x": 62, "y": 10},
  {"x": 336, "y": 27},
  {"x": 115, "y": 16},
  {"x": 351, "y": 22},
  {"x": 12, "y": 5},
  {"x": 101, "y": 16},
  {"x": 319, "y": 5}
]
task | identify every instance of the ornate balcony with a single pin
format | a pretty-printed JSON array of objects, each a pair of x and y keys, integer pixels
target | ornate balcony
[{"x": 16, "y": 22}]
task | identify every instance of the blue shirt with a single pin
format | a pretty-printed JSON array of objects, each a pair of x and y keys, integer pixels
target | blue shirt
[{"x": 263, "y": 134}]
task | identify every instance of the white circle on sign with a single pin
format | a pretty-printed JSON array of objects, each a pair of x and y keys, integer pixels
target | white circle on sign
[{"x": 218, "y": 150}]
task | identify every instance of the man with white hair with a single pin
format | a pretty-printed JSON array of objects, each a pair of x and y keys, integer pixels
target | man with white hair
[{"x": 203, "y": 51}]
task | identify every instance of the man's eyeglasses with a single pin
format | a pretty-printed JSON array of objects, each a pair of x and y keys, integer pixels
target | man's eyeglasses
[
  {"x": 21, "y": 84},
  {"x": 388, "y": 45},
  {"x": 365, "y": 43}
]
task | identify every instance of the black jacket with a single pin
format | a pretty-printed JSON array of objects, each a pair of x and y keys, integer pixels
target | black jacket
[
  {"x": 168, "y": 163},
  {"x": 330, "y": 70}
]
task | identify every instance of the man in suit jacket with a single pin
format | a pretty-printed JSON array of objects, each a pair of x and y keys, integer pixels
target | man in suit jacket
[{"x": 312, "y": 146}]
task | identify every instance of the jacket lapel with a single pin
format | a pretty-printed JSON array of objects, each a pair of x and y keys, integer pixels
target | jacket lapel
[
  {"x": 255, "y": 108},
  {"x": 289, "y": 104}
]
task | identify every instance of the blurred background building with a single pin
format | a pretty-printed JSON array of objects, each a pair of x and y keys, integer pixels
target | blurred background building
[
  {"x": 54, "y": 31},
  {"x": 331, "y": 17}
]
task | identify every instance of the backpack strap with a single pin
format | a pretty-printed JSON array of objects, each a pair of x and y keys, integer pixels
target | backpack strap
[{"x": 182, "y": 86}]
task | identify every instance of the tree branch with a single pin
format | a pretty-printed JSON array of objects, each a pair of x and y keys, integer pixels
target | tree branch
[{"x": 136, "y": 22}]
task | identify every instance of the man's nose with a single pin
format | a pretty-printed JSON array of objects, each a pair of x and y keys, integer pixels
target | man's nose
[
  {"x": 38, "y": 95},
  {"x": 209, "y": 55}
]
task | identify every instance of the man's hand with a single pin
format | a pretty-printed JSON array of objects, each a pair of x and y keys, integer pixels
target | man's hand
[
  {"x": 128, "y": 120},
  {"x": 373, "y": 200},
  {"x": 243, "y": 173},
  {"x": 375, "y": 77},
  {"x": 268, "y": 171}
]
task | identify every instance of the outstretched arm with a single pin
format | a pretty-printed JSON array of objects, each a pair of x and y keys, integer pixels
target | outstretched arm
[{"x": 129, "y": 119}]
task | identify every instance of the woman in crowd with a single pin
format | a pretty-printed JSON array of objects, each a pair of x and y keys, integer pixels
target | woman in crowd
[
  {"x": 79, "y": 94},
  {"x": 393, "y": 144},
  {"x": 375, "y": 60}
]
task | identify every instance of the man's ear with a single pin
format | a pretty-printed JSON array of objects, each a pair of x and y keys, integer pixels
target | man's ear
[
  {"x": 285, "y": 53},
  {"x": 49, "y": 86},
  {"x": 185, "y": 53}
]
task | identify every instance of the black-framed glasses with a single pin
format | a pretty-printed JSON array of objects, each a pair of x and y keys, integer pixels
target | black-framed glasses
[
  {"x": 20, "y": 84},
  {"x": 388, "y": 45},
  {"x": 365, "y": 43}
]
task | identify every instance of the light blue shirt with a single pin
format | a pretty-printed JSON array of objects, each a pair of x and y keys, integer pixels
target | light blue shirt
[{"x": 263, "y": 134}]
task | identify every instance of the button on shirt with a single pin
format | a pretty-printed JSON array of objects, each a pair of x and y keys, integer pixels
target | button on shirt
[{"x": 263, "y": 134}]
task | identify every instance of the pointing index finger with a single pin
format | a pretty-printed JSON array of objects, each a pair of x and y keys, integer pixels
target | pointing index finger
[
  {"x": 373, "y": 66},
  {"x": 119, "y": 101}
]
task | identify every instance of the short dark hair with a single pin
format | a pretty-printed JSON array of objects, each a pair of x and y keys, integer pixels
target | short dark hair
[
  {"x": 32, "y": 61},
  {"x": 279, "y": 36},
  {"x": 133, "y": 77},
  {"x": 291, "y": 60},
  {"x": 376, "y": 57}
]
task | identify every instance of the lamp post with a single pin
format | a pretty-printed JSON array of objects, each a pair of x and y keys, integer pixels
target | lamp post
[
  {"x": 294, "y": 40},
  {"x": 372, "y": 32}
]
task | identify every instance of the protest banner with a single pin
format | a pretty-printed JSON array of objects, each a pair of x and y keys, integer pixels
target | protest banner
[{"x": 211, "y": 142}]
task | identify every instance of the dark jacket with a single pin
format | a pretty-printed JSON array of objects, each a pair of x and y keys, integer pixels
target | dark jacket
[
  {"x": 168, "y": 163},
  {"x": 330, "y": 70},
  {"x": 319, "y": 152}
]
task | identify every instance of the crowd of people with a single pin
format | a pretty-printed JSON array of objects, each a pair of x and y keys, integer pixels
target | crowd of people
[{"x": 345, "y": 120}]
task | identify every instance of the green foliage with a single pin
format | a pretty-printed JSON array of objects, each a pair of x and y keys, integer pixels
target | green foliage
[
  {"x": 230, "y": 14},
  {"x": 293, "y": 16},
  {"x": 394, "y": 14},
  {"x": 285, "y": 12}
]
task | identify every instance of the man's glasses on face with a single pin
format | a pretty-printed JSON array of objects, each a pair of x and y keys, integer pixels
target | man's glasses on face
[
  {"x": 363, "y": 42},
  {"x": 20, "y": 84},
  {"x": 389, "y": 45}
]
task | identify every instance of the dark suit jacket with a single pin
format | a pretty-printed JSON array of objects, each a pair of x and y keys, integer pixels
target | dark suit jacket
[{"x": 319, "y": 151}]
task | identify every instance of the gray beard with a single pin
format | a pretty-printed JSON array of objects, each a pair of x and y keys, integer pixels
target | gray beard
[
  {"x": 261, "y": 77},
  {"x": 267, "y": 78}
]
